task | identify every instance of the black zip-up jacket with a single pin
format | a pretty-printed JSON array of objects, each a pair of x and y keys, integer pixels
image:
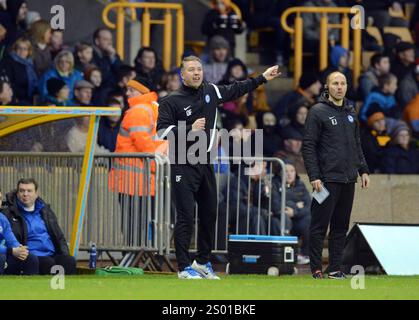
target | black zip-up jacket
[
  {"x": 331, "y": 147},
  {"x": 184, "y": 106},
  {"x": 20, "y": 228}
]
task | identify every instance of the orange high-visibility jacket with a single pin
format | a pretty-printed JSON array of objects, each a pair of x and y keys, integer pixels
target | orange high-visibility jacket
[
  {"x": 411, "y": 113},
  {"x": 137, "y": 134}
]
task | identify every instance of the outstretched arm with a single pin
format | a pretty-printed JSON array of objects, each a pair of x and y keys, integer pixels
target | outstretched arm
[{"x": 240, "y": 88}]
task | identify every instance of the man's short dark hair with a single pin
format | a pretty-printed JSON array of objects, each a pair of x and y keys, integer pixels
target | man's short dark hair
[
  {"x": 98, "y": 31},
  {"x": 189, "y": 58},
  {"x": 27, "y": 181},
  {"x": 145, "y": 49},
  {"x": 124, "y": 71},
  {"x": 385, "y": 79},
  {"x": 376, "y": 59}
]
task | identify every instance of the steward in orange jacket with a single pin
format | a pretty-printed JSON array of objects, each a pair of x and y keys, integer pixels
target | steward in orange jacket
[{"x": 137, "y": 134}]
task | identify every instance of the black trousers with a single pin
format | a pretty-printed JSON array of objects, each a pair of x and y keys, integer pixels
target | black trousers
[
  {"x": 336, "y": 211},
  {"x": 67, "y": 262},
  {"x": 40, "y": 265},
  {"x": 194, "y": 184},
  {"x": 29, "y": 266}
]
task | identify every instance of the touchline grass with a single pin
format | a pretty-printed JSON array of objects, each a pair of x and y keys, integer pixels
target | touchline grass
[{"x": 168, "y": 287}]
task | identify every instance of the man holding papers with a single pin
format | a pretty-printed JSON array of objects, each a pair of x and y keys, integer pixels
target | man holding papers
[{"x": 333, "y": 158}]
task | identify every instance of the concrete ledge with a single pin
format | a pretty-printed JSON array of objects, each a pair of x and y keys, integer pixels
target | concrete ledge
[{"x": 390, "y": 199}]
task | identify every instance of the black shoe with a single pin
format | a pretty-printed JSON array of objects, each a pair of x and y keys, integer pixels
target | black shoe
[
  {"x": 318, "y": 275},
  {"x": 337, "y": 275}
]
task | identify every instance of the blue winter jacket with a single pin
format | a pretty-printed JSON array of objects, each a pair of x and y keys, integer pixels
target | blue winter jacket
[
  {"x": 7, "y": 238},
  {"x": 39, "y": 241},
  {"x": 384, "y": 102},
  {"x": 70, "y": 81}
]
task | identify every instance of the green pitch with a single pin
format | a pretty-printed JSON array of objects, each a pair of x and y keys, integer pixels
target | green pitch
[{"x": 230, "y": 287}]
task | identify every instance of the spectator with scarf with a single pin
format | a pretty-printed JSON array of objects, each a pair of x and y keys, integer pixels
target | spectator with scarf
[{"x": 20, "y": 70}]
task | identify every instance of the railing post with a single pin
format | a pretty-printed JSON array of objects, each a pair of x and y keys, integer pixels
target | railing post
[
  {"x": 298, "y": 49},
  {"x": 145, "y": 28},
  {"x": 167, "y": 39},
  {"x": 357, "y": 56},
  {"x": 180, "y": 29},
  {"x": 323, "y": 42},
  {"x": 345, "y": 31},
  {"x": 120, "y": 19}
]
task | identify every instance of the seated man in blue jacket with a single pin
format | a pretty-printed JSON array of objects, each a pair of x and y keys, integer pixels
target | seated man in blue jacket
[
  {"x": 35, "y": 225},
  {"x": 12, "y": 252}
]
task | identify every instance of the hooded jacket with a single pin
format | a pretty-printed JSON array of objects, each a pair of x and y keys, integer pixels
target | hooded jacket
[
  {"x": 378, "y": 100},
  {"x": 20, "y": 227},
  {"x": 137, "y": 133},
  {"x": 331, "y": 146},
  {"x": 138, "y": 128}
]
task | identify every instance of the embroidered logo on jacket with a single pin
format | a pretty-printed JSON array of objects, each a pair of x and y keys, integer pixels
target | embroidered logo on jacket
[{"x": 334, "y": 120}]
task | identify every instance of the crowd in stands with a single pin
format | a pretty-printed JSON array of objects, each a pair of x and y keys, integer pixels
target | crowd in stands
[{"x": 37, "y": 67}]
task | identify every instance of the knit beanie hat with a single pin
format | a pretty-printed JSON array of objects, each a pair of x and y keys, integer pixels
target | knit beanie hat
[
  {"x": 400, "y": 127},
  {"x": 376, "y": 116},
  {"x": 138, "y": 86},
  {"x": 54, "y": 85}
]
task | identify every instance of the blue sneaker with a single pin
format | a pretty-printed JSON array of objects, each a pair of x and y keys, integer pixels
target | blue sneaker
[
  {"x": 189, "y": 273},
  {"x": 205, "y": 270}
]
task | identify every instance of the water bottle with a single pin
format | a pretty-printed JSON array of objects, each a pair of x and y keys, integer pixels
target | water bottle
[{"x": 93, "y": 255}]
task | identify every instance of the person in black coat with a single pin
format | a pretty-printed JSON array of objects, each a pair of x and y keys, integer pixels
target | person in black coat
[
  {"x": 104, "y": 54},
  {"x": 99, "y": 92},
  {"x": 297, "y": 115},
  {"x": 404, "y": 62},
  {"x": 148, "y": 68},
  {"x": 333, "y": 158},
  {"x": 308, "y": 89},
  {"x": 109, "y": 127},
  {"x": 223, "y": 21},
  {"x": 35, "y": 225},
  {"x": 272, "y": 141},
  {"x": 298, "y": 202},
  {"x": 235, "y": 201},
  {"x": 374, "y": 138},
  {"x": 20, "y": 71},
  {"x": 13, "y": 20},
  {"x": 401, "y": 156}
]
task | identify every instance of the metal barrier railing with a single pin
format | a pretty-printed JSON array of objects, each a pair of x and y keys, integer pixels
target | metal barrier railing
[
  {"x": 324, "y": 27},
  {"x": 249, "y": 202},
  {"x": 129, "y": 201},
  {"x": 146, "y": 23},
  {"x": 117, "y": 218}
]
